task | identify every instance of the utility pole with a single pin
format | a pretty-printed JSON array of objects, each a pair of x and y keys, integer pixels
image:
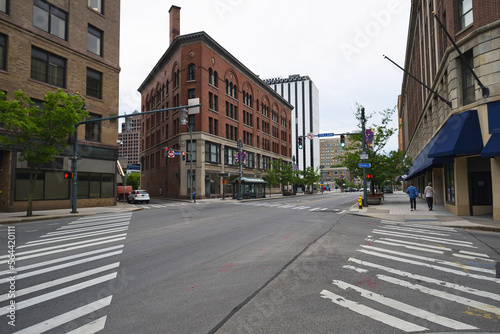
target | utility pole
[{"x": 240, "y": 149}]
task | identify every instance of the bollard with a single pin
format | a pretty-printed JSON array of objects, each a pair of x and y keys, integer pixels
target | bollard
[{"x": 360, "y": 202}]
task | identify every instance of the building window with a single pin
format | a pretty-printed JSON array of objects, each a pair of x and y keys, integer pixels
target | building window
[
  {"x": 94, "y": 83},
  {"x": 96, "y": 5},
  {"x": 465, "y": 15},
  {"x": 4, "y": 6},
  {"x": 48, "y": 67},
  {"x": 468, "y": 84},
  {"x": 3, "y": 52},
  {"x": 93, "y": 129},
  {"x": 49, "y": 18},
  {"x": 192, "y": 72},
  {"x": 250, "y": 160},
  {"x": 94, "y": 40},
  {"x": 212, "y": 152},
  {"x": 229, "y": 154},
  {"x": 191, "y": 93},
  {"x": 449, "y": 175}
]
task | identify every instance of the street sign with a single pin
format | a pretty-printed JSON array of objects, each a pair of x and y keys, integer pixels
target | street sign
[
  {"x": 310, "y": 135},
  {"x": 326, "y": 135},
  {"x": 367, "y": 165},
  {"x": 171, "y": 154},
  {"x": 223, "y": 174},
  {"x": 363, "y": 155},
  {"x": 178, "y": 153}
]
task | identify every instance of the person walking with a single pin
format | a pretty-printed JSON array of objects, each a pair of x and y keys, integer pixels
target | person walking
[
  {"x": 194, "y": 195},
  {"x": 429, "y": 195},
  {"x": 413, "y": 193}
]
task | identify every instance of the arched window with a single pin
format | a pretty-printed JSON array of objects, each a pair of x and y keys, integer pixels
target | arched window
[
  {"x": 227, "y": 86},
  {"x": 210, "y": 76},
  {"x": 192, "y": 72},
  {"x": 216, "y": 79}
]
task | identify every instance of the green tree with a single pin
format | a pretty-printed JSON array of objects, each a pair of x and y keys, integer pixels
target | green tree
[
  {"x": 134, "y": 180},
  {"x": 39, "y": 134},
  {"x": 280, "y": 174},
  {"x": 384, "y": 166},
  {"x": 310, "y": 176}
]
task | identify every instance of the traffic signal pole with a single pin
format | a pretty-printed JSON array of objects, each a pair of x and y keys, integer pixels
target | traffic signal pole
[
  {"x": 363, "y": 134},
  {"x": 74, "y": 167}
]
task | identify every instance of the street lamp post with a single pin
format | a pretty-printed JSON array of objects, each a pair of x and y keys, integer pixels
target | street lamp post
[{"x": 240, "y": 148}]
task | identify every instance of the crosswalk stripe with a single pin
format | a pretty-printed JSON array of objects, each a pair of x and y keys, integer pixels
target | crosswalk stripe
[
  {"x": 93, "y": 223},
  {"x": 65, "y": 265},
  {"x": 398, "y": 272},
  {"x": 71, "y": 244},
  {"x": 78, "y": 236},
  {"x": 433, "y": 266},
  {"x": 418, "y": 244},
  {"x": 372, "y": 313},
  {"x": 427, "y": 227},
  {"x": 90, "y": 228},
  {"x": 63, "y": 280},
  {"x": 440, "y": 320},
  {"x": 419, "y": 237},
  {"x": 22, "y": 257},
  {"x": 441, "y": 294},
  {"x": 61, "y": 259},
  {"x": 58, "y": 293},
  {"x": 429, "y": 259},
  {"x": 463, "y": 256},
  {"x": 408, "y": 246},
  {"x": 474, "y": 253},
  {"x": 415, "y": 230},
  {"x": 66, "y": 317},
  {"x": 92, "y": 327},
  {"x": 104, "y": 217}
]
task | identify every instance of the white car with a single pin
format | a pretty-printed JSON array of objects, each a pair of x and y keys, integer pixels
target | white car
[{"x": 138, "y": 196}]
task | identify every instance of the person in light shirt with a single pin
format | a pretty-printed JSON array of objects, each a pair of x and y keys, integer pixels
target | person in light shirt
[{"x": 429, "y": 195}]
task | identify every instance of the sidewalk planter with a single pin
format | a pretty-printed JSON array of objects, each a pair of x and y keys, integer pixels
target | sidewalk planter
[{"x": 374, "y": 199}]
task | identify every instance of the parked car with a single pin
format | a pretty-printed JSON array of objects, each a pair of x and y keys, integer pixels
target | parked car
[{"x": 138, "y": 196}]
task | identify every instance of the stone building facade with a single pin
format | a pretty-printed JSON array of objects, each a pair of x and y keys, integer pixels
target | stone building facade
[
  {"x": 72, "y": 45},
  {"x": 235, "y": 104},
  {"x": 453, "y": 133}
]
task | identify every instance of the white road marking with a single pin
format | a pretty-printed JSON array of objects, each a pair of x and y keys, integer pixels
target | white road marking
[
  {"x": 372, "y": 313},
  {"x": 92, "y": 327},
  {"x": 66, "y": 317},
  {"x": 440, "y": 320}
]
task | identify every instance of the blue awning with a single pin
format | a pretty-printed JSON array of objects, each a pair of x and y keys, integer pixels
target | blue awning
[
  {"x": 460, "y": 135},
  {"x": 492, "y": 148}
]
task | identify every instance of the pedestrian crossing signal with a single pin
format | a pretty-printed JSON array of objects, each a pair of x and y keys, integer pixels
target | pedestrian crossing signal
[
  {"x": 68, "y": 175},
  {"x": 369, "y": 176}
]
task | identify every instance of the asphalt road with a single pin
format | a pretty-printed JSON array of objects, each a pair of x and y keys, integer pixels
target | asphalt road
[{"x": 287, "y": 265}]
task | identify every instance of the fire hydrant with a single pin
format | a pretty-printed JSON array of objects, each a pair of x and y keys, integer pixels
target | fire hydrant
[{"x": 360, "y": 202}]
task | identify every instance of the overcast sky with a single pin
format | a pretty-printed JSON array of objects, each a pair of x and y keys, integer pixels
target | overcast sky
[{"x": 339, "y": 44}]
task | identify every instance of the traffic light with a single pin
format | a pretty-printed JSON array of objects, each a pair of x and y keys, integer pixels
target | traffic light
[
  {"x": 299, "y": 143},
  {"x": 68, "y": 175},
  {"x": 342, "y": 141},
  {"x": 183, "y": 156},
  {"x": 166, "y": 151}
]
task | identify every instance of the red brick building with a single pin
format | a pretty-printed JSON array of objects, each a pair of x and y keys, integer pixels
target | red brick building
[
  {"x": 453, "y": 134},
  {"x": 236, "y": 104},
  {"x": 72, "y": 45}
]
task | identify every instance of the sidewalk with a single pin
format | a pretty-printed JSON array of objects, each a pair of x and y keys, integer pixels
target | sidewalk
[{"x": 396, "y": 207}]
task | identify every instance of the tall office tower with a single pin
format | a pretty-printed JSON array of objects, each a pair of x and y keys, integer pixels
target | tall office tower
[{"x": 302, "y": 93}]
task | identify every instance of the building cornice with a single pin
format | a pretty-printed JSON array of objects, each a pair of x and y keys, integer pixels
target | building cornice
[{"x": 211, "y": 43}]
